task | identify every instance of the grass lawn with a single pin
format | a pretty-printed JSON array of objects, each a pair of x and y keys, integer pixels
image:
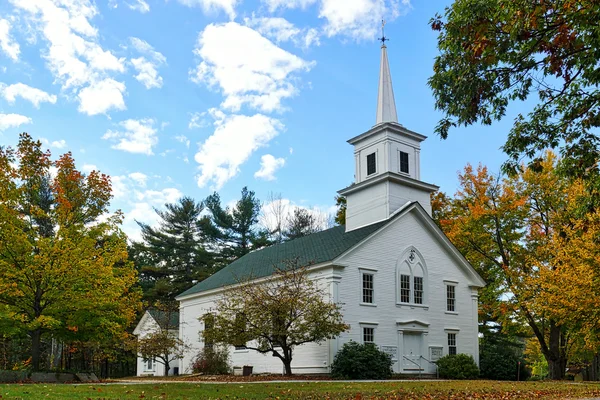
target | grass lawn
[{"x": 312, "y": 390}]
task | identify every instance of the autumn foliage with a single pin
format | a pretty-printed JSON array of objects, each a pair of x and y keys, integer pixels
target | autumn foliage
[
  {"x": 63, "y": 258},
  {"x": 533, "y": 237}
]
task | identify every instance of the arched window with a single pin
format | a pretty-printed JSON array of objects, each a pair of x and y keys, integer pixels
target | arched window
[{"x": 411, "y": 278}]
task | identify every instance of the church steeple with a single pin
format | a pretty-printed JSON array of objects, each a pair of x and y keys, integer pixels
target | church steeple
[
  {"x": 387, "y": 172},
  {"x": 386, "y": 105}
]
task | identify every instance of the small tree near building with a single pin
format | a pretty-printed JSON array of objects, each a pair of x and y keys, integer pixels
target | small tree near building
[
  {"x": 275, "y": 316},
  {"x": 163, "y": 345}
]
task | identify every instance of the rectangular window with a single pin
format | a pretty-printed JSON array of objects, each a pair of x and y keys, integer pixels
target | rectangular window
[
  {"x": 371, "y": 164},
  {"x": 149, "y": 364},
  {"x": 368, "y": 335},
  {"x": 367, "y": 288},
  {"x": 240, "y": 327},
  {"x": 450, "y": 298},
  {"x": 452, "y": 344},
  {"x": 404, "y": 162},
  {"x": 418, "y": 290},
  {"x": 404, "y": 288},
  {"x": 209, "y": 323}
]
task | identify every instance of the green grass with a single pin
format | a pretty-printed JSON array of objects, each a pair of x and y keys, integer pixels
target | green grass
[{"x": 312, "y": 390}]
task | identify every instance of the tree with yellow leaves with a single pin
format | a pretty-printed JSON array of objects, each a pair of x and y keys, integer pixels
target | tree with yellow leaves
[
  {"x": 63, "y": 258},
  {"x": 534, "y": 240}
]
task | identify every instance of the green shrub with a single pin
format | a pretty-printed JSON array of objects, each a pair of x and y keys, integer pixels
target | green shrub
[
  {"x": 500, "y": 361},
  {"x": 212, "y": 361},
  {"x": 361, "y": 361},
  {"x": 459, "y": 366}
]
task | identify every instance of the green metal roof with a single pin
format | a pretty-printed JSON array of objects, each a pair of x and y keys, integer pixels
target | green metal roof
[
  {"x": 161, "y": 318},
  {"x": 312, "y": 249}
]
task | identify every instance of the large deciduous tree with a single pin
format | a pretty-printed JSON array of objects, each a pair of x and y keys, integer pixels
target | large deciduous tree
[
  {"x": 534, "y": 237},
  {"x": 494, "y": 52},
  {"x": 276, "y": 315},
  {"x": 174, "y": 255},
  {"x": 63, "y": 258}
]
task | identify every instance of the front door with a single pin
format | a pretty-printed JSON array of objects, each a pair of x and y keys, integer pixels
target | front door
[{"x": 412, "y": 351}]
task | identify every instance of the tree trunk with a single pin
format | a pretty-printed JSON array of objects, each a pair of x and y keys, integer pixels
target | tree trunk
[
  {"x": 287, "y": 364},
  {"x": 555, "y": 356},
  {"x": 36, "y": 339},
  {"x": 167, "y": 367}
]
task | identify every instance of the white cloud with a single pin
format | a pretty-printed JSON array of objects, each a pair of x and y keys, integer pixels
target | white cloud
[
  {"x": 59, "y": 144},
  {"x": 359, "y": 19},
  {"x": 87, "y": 168},
  {"x": 138, "y": 136},
  {"x": 139, "y": 178},
  {"x": 147, "y": 68},
  {"x": 102, "y": 96},
  {"x": 275, "y": 4},
  {"x": 281, "y": 30},
  {"x": 235, "y": 138},
  {"x": 8, "y": 45},
  {"x": 183, "y": 139},
  {"x": 12, "y": 121},
  {"x": 31, "y": 94},
  {"x": 214, "y": 6},
  {"x": 247, "y": 67},
  {"x": 147, "y": 73},
  {"x": 139, "y": 5},
  {"x": 197, "y": 120},
  {"x": 73, "y": 55},
  {"x": 268, "y": 166}
]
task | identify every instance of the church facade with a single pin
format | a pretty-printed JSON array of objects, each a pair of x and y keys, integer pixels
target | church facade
[{"x": 402, "y": 285}]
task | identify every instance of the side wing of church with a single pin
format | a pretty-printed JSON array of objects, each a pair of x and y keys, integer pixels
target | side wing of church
[{"x": 401, "y": 283}]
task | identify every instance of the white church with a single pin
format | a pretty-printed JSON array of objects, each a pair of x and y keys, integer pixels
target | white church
[{"x": 401, "y": 283}]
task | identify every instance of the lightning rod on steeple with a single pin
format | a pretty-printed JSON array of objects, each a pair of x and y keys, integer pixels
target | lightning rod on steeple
[{"x": 383, "y": 39}]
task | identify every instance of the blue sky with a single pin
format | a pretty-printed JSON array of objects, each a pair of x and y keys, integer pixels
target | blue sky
[{"x": 183, "y": 97}]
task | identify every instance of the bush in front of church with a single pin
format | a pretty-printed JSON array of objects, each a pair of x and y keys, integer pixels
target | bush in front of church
[
  {"x": 458, "y": 366},
  {"x": 361, "y": 361},
  {"x": 502, "y": 361},
  {"x": 213, "y": 360}
]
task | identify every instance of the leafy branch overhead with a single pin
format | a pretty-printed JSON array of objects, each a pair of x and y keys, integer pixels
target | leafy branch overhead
[{"x": 493, "y": 52}]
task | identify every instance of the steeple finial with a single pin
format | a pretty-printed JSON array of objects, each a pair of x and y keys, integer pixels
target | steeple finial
[
  {"x": 383, "y": 39},
  {"x": 386, "y": 105}
]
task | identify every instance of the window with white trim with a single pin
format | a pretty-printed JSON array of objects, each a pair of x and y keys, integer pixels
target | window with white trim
[
  {"x": 452, "y": 344},
  {"x": 418, "y": 294},
  {"x": 371, "y": 163},
  {"x": 149, "y": 364},
  {"x": 368, "y": 334},
  {"x": 404, "y": 162},
  {"x": 404, "y": 288},
  {"x": 368, "y": 288},
  {"x": 451, "y": 298}
]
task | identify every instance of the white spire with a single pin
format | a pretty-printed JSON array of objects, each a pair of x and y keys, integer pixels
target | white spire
[{"x": 386, "y": 105}]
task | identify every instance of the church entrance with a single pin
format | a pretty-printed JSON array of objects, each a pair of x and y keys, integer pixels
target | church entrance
[{"x": 411, "y": 349}]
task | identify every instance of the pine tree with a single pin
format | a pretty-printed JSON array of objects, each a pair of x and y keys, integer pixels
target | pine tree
[
  {"x": 175, "y": 255},
  {"x": 235, "y": 230}
]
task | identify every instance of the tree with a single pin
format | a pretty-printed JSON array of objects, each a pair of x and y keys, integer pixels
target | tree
[
  {"x": 340, "y": 215},
  {"x": 275, "y": 316},
  {"x": 302, "y": 222},
  {"x": 521, "y": 233},
  {"x": 273, "y": 216},
  {"x": 173, "y": 256},
  {"x": 63, "y": 268},
  {"x": 235, "y": 229},
  {"x": 163, "y": 345},
  {"x": 494, "y": 52}
]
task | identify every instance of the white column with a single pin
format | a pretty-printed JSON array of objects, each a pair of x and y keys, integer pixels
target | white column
[
  {"x": 357, "y": 177},
  {"x": 475, "y": 323},
  {"x": 418, "y": 164},
  {"x": 334, "y": 293}
]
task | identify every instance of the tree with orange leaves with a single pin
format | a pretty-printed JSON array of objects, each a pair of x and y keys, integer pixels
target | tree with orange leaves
[
  {"x": 63, "y": 259},
  {"x": 533, "y": 239}
]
